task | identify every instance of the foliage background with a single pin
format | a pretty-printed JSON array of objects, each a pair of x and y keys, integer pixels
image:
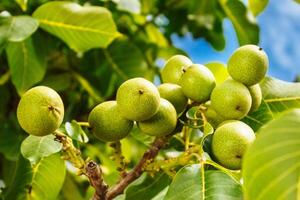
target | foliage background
[{"x": 86, "y": 78}]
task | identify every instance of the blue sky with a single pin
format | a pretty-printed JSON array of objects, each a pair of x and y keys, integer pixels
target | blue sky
[{"x": 279, "y": 37}]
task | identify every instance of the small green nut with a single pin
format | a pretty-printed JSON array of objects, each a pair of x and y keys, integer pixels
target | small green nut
[
  {"x": 173, "y": 69},
  {"x": 174, "y": 94},
  {"x": 40, "y": 111},
  {"x": 162, "y": 123},
  {"x": 248, "y": 64},
  {"x": 230, "y": 143},
  {"x": 212, "y": 116},
  {"x": 138, "y": 99},
  {"x": 231, "y": 99},
  {"x": 197, "y": 83},
  {"x": 107, "y": 124},
  {"x": 256, "y": 94}
]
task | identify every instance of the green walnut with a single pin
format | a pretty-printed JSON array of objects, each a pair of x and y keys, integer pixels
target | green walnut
[
  {"x": 174, "y": 94},
  {"x": 107, "y": 124},
  {"x": 248, "y": 64},
  {"x": 212, "y": 116},
  {"x": 138, "y": 99},
  {"x": 162, "y": 123},
  {"x": 40, "y": 111},
  {"x": 230, "y": 142},
  {"x": 197, "y": 82},
  {"x": 256, "y": 94},
  {"x": 231, "y": 99},
  {"x": 173, "y": 69}
]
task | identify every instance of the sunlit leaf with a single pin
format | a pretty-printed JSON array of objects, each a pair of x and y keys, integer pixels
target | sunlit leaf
[
  {"x": 156, "y": 36},
  {"x": 193, "y": 182},
  {"x": 272, "y": 164},
  {"x": 42, "y": 181},
  {"x": 257, "y": 6},
  {"x": 219, "y": 70},
  {"x": 247, "y": 31},
  {"x": 34, "y": 148},
  {"x": 22, "y": 4},
  {"x": 75, "y": 131},
  {"x": 133, "y": 6},
  {"x": 17, "y": 28},
  {"x": 81, "y": 27},
  {"x": 278, "y": 96}
]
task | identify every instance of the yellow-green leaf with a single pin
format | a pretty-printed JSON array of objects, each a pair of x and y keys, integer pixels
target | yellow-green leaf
[
  {"x": 81, "y": 27},
  {"x": 42, "y": 181},
  {"x": 193, "y": 182},
  {"x": 271, "y": 167},
  {"x": 219, "y": 70},
  {"x": 27, "y": 64},
  {"x": 22, "y": 4},
  {"x": 278, "y": 96},
  {"x": 156, "y": 36},
  {"x": 17, "y": 28},
  {"x": 34, "y": 148},
  {"x": 257, "y": 6},
  {"x": 247, "y": 31}
]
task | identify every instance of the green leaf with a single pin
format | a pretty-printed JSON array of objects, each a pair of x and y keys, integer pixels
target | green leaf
[
  {"x": 246, "y": 30},
  {"x": 42, "y": 181},
  {"x": 192, "y": 182},
  {"x": 278, "y": 96},
  {"x": 126, "y": 60},
  {"x": 27, "y": 64},
  {"x": 75, "y": 131},
  {"x": 133, "y": 6},
  {"x": 208, "y": 129},
  {"x": 257, "y": 6},
  {"x": 194, "y": 117},
  {"x": 58, "y": 82},
  {"x": 219, "y": 70},
  {"x": 22, "y": 4},
  {"x": 34, "y": 148},
  {"x": 272, "y": 164},
  {"x": 4, "y": 78},
  {"x": 87, "y": 86},
  {"x": 70, "y": 184},
  {"x": 81, "y": 27},
  {"x": 10, "y": 138},
  {"x": 137, "y": 134},
  {"x": 156, "y": 36},
  {"x": 147, "y": 187},
  {"x": 17, "y": 28}
]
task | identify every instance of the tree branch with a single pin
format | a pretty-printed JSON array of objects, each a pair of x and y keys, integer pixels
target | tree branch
[
  {"x": 94, "y": 173},
  {"x": 137, "y": 171},
  {"x": 89, "y": 168}
]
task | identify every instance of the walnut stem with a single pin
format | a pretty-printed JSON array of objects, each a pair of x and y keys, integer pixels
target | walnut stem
[
  {"x": 137, "y": 171},
  {"x": 89, "y": 168},
  {"x": 94, "y": 173}
]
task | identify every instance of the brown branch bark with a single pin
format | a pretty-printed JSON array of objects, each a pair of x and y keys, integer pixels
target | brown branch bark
[
  {"x": 94, "y": 173},
  {"x": 90, "y": 169},
  {"x": 137, "y": 171}
]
